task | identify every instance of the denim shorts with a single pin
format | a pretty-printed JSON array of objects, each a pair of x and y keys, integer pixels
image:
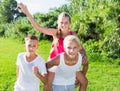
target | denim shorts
[{"x": 63, "y": 87}]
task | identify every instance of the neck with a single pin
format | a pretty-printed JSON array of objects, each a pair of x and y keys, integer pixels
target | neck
[
  {"x": 65, "y": 34},
  {"x": 31, "y": 57},
  {"x": 70, "y": 59}
]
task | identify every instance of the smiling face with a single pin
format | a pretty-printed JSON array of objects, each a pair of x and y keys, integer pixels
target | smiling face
[
  {"x": 71, "y": 46},
  {"x": 64, "y": 21}
]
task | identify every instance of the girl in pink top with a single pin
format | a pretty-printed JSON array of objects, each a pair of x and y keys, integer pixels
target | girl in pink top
[
  {"x": 57, "y": 49},
  {"x": 64, "y": 21}
]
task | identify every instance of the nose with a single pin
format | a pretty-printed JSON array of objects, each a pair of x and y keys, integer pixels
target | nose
[
  {"x": 31, "y": 47},
  {"x": 71, "y": 50},
  {"x": 63, "y": 24}
]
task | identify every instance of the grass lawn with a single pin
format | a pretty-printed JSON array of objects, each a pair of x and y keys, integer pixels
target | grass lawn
[{"x": 102, "y": 76}]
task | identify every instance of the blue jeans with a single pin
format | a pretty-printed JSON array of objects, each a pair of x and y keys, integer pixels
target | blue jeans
[{"x": 63, "y": 87}]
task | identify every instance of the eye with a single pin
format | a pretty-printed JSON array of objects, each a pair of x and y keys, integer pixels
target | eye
[
  {"x": 61, "y": 22},
  {"x": 29, "y": 45},
  {"x": 69, "y": 47},
  {"x": 34, "y": 45},
  {"x": 75, "y": 47},
  {"x": 66, "y": 22}
]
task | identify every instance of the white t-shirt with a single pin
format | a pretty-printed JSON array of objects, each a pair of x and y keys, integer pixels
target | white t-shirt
[
  {"x": 65, "y": 74},
  {"x": 27, "y": 80}
]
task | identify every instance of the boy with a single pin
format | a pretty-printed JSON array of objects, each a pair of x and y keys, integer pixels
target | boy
[{"x": 30, "y": 67}]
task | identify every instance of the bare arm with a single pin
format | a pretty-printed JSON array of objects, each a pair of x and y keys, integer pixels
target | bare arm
[
  {"x": 84, "y": 60},
  {"x": 48, "y": 31},
  {"x": 85, "y": 68},
  {"x": 53, "y": 62},
  {"x": 49, "y": 64},
  {"x": 43, "y": 78},
  {"x": 83, "y": 53}
]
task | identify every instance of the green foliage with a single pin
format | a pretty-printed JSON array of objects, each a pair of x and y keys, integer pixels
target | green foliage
[
  {"x": 18, "y": 29},
  {"x": 94, "y": 52},
  {"x": 91, "y": 19},
  {"x": 8, "y": 11},
  {"x": 2, "y": 30},
  {"x": 111, "y": 43}
]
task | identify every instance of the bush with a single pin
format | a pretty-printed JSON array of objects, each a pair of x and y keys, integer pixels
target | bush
[{"x": 111, "y": 44}]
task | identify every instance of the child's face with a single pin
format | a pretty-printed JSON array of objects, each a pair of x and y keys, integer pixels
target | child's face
[
  {"x": 63, "y": 23},
  {"x": 71, "y": 48},
  {"x": 31, "y": 46}
]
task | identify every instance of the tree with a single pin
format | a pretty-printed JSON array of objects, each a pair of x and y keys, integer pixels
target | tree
[
  {"x": 111, "y": 43},
  {"x": 8, "y": 11},
  {"x": 91, "y": 19}
]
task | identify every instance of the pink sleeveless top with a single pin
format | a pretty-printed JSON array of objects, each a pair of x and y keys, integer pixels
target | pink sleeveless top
[{"x": 59, "y": 48}]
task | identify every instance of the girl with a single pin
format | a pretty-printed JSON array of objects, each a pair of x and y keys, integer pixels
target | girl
[{"x": 68, "y": 65}]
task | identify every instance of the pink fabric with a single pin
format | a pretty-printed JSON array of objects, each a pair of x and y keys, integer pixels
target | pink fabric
[{"x": 57, "y": 49}]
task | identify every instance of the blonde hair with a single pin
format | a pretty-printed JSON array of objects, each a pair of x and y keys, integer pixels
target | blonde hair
[
  {"x": 64, "y": 14},
  {"x": 71, "y": 38}
]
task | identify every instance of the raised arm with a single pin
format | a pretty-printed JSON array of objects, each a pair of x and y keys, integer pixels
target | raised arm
[{"x": 48, "y": 31}]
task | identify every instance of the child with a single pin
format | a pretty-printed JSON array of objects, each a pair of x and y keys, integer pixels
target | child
[
  {"x": 68, "y": 65},
  {"x": 64, "y": 21},
  {"x": 30, "y": 67}
]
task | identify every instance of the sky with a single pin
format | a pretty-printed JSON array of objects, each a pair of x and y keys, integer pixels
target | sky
[{"x": 42, "y": 6}]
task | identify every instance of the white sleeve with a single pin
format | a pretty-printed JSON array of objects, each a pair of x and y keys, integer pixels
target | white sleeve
[{"x": 42, "y": 67}]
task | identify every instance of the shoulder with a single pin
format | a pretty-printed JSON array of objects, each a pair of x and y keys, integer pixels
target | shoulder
[
  {"x": 21, "y": 54},
  {"x": 55, "y": 60},
  {"x": 41, "y": 60},
  {"x": 71, "y": 32}
]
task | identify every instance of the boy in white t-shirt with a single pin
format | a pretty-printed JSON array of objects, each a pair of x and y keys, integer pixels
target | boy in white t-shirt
[
  {"x": 30, "y": 67},
  {"x": 68, "y": 65}
]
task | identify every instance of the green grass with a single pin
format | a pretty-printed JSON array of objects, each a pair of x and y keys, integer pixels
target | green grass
[{"x": 102, "y": 76}]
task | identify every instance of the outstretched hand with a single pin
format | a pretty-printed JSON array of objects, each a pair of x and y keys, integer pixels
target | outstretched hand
[
  {"x": 35, "y": 70},
  {"x": 23, "y": 8}
]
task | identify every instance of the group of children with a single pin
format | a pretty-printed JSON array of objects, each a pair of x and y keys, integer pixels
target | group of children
[{"x": 62, "y": 71}]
